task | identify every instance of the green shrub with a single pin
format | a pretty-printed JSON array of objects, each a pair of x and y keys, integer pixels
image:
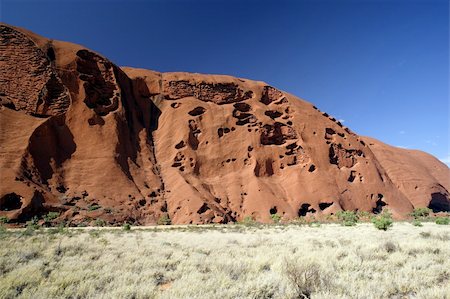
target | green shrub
[
  {"x": 416, "y": 222},
  {"x": 60, "y": 229},
  {"x": 347, "y": 218},
  {"x": 94, "y": 233},
  {"x": 248, "y": 220},
  {"x": 363, "y": 215},
  {"x": 126, "y": 227},
  {"x": 2, "y": 230},
  {"x": 275, "y": 218},
  {"x": 383, "y": 221},
  {"x": 31, "y": 226},
  {"x": 100, "y": 222},
  {"x": 94, "y": 207},
  {"x": 421, "y": 212},
  {"x": 50, "y": 217},
  {"x": 315, "y": 224},
  {"x": 443, "y": 220},
  {"x": 299, "y": 220},
  {"x": 33, "y": 223},
  {"x": 164, "y": 220},
  {"x": 4, "y": 219}
]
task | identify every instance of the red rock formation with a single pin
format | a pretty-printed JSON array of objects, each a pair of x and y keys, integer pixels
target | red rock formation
[{"x": 88, "y": 139}]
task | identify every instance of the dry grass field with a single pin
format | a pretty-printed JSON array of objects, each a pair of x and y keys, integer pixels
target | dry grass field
[{"x": 228, "y": 261}]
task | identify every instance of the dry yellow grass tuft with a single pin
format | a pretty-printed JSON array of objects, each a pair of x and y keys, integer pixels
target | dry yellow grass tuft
[{"x": 230, "y": 261}]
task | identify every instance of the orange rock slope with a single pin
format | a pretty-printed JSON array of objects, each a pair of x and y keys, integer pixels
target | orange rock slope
[{"x": 88, "y": 139}]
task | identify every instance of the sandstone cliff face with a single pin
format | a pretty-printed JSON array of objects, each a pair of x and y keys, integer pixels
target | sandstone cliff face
[{"x": 83, "y": 137}]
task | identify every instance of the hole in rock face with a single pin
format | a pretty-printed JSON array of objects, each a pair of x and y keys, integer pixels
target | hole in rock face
[
  {"x": 312, "y": 168},
  {"x": 304, "y": 209},
  {"x": 51, "y": 54},
  {"x": 180, "y": 144},
  {"x": 9, "y": 105},
  {"x": 243, "y": 107},
  {"x": 324, "y": 205},
  {"x": 203, "y": 209},
  {"x": 61, "y": 189},
  {"x": 192, "y": 140},
  {"x": 273, "y": 114},
  {"x": 276, "y": 134},
  {"x": 10, "y": 201},
  {"x": 270, "y": 94},
  {"x": 96, "y": 120},
  {"x": 273, "y": 211},
  {"x": 197, "y": 111},
  {"x": 330, "y": 131},
  {"x": 176, "y": 164},
  {"x": 291, "y": 146},
  {"x": 352, "y": 176},
  {"x": 164, "y": 207},
  {"x": 439, "y": 203},
  {"x": 379, "y": 205}
]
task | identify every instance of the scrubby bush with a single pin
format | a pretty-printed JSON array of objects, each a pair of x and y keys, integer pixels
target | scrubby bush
[
  {"x": 312, "y": 220},
  {"x": 383, "y": 221},
  {"x": 94, "y": 207},
  {"x": 314, "y": 223},
  {"x": 33, "y": 223},
  {"x": 99, "y": 222},
  {"x": 2, "y": 230},
  {"x": 275, "y": 218},
  {"x": 390, "y": 247},
  {"x": 363, "y": 215},
  {"x": 60, "y": 229},
  {"x": 248, "y": 220},
  {"x": 164, "y": 220},
  {"x": 306, "y": 278},
  {"x": 416, "y": 222},
  {"x": 420, "y": 212},
  {"x": 425, "y": 235},
  {"x": 347, "y": 218},
  {"x": 299, "y": 220},
  {"x": 126, "y": 227},
  {"x": 443, "y": 220},
  {"x": 31, "y": 226},
  {"x": 3, "y": 219},
  {"x": 50, "y": 217}
]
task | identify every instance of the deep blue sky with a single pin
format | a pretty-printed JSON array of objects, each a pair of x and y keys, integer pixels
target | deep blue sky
[{"x": 382, "y": 66}]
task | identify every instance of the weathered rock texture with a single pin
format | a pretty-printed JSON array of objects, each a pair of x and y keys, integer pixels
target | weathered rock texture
[{"x": 85, "y": 138}]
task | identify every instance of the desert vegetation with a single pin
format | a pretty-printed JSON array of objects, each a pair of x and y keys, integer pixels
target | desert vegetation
[{"x": 247, "y": 260}]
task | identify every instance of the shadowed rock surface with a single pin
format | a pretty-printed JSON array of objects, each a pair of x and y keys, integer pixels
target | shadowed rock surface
[{"x": 86, "y": 138}]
